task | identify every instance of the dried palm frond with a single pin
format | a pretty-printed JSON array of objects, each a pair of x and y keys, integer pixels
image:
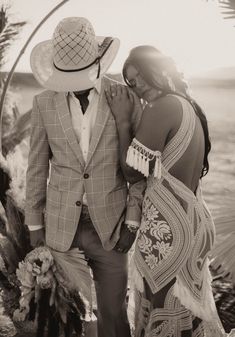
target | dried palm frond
[
  {"x": 18, "y": 132},
  {"x": 8, "y": 31},
  {"x": 224, "y": 251},
  {"x": 10, "y": 112},
  {"x": 228, "y": 8}
]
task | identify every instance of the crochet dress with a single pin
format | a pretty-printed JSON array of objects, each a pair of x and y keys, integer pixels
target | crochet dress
[{"x": 171, "y": 294}]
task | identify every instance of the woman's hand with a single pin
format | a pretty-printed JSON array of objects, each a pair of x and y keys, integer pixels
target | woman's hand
[{"x": 121, "y": 103}]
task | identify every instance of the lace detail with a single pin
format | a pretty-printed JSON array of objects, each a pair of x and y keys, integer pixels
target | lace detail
[
  {"x": 139, "y": 156},
  {"x": 157, "y": 246},
  {"x": 172, "y": 247}
]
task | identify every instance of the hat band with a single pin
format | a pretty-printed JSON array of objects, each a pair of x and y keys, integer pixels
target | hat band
[
  {"x": 97, "y": 60},
  {"x": 79, "y": 69}
]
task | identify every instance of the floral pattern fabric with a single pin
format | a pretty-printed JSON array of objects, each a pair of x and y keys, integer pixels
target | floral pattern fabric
[{"x": 157, "y": 246}]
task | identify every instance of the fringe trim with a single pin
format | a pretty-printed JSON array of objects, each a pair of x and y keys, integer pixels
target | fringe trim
[
  {"x": 139, "y": 156},
  {"x": 206, "y": 310},
  {"x": 137, "y": 281},
  {"x": 131, "y": 311},
  {"x": 157, "y": 173},
  {"x": 214, "y": 329}
]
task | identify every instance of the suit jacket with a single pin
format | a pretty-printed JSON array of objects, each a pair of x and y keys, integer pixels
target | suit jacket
[{"x": 57, "y": 175}]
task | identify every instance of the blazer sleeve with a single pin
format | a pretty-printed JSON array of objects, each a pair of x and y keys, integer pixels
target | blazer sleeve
[
  {"x": 38, "y": 170},
  {"x": 137, "y": 190}
]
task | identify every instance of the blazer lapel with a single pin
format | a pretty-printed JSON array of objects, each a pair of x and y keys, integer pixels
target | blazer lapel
[
  {"x": 66, "y": 123},
  {"x": 101, "y": 119}
]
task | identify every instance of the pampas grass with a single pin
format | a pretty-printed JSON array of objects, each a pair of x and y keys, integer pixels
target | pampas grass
[{"x": 16, "y": 162}]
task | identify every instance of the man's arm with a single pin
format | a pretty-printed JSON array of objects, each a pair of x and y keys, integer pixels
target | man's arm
[
  {"x": 136, "y": 192},
  {"x": 136, "y": 189},
  {"x": 37, "y": 172}
]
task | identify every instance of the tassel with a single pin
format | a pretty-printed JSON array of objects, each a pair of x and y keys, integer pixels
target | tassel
[
  {"x": 135, "y": 159},
  {"x": 146, "y": 172},
  {"x": 142, "y": 163},
  {"x": 130, "y": 156},
  {"x": 158, "y": 167},
  {"x": 138, "y": 157},
  {"x": 138, "y": 161}
]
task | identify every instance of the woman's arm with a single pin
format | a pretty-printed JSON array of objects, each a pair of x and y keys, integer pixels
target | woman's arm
[{"x": 125, "y": 138}]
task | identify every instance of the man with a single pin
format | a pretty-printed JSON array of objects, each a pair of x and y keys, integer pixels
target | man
[{"x": 75, "y": 188}]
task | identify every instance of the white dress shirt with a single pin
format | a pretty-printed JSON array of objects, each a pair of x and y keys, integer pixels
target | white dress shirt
[{"x": 83, "y": 123}]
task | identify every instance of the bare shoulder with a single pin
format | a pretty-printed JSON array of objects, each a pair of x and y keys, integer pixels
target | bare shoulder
[
  {"x": 160, "y": 120},
  {"x": 166, "y": 108}
]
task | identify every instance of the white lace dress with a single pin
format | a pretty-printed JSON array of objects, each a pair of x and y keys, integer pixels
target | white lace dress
[{"x": 171, "y": 294}]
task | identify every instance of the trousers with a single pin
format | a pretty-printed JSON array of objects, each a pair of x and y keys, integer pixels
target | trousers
[{"x": 110, "y": 273}]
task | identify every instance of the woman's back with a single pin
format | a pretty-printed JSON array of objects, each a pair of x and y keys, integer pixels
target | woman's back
[
  {"x": 189, "y": 166},
  {"x": 159, "y": 127}
]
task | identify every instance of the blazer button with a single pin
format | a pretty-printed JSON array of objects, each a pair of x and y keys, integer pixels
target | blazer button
[
  {"x": 86, "y": 176},
  {"x": 78, "y": 203}
]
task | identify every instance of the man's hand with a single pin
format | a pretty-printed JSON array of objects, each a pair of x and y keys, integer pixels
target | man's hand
[
  {"x": 37, "y": 237},
  {"x": 126, "y": 240}
]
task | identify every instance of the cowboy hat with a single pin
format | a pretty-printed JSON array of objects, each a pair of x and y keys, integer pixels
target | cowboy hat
[{"x": 74, "y": 58}]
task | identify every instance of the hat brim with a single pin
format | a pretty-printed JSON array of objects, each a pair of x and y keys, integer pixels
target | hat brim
[{"x": 41, "y": 61}]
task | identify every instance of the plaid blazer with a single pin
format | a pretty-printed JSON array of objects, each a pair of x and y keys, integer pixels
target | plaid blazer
[{"x": 57, "y": 175}]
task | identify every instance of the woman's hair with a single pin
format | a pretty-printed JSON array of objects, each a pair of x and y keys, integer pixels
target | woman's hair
[{"x": 160, "y": 71}]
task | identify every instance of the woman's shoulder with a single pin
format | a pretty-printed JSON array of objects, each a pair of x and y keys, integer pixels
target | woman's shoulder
[
  {"x": 161, "y": 118},
  {"x": 167, "y": 102},
  {"x": 164, "y": 108}
]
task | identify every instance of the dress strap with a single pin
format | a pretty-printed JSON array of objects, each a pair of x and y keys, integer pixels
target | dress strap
[
  {"x": 139, "y": 156},
  {"x": 179, "y": 143}
]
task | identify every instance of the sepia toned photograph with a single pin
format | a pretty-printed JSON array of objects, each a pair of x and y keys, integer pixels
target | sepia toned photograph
[{"x": 117, "y": 168}]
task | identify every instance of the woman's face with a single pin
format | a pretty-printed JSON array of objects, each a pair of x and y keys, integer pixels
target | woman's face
[{"x": 140, "y": 86}]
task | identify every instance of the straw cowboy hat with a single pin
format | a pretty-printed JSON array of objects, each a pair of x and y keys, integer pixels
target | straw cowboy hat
[{"x": 74, "y": 58}]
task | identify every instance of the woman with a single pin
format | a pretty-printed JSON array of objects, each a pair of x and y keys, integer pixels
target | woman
[{"x": 172, "y": 292}]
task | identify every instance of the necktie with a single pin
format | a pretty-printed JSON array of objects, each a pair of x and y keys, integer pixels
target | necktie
[{"x": 83, "y": 99}]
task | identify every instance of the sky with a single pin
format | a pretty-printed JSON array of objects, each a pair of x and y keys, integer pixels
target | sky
[{"x": 193, "y": 32}]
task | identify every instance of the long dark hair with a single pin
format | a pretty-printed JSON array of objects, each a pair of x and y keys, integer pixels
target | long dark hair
[{"x": 160, "y": 71}]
